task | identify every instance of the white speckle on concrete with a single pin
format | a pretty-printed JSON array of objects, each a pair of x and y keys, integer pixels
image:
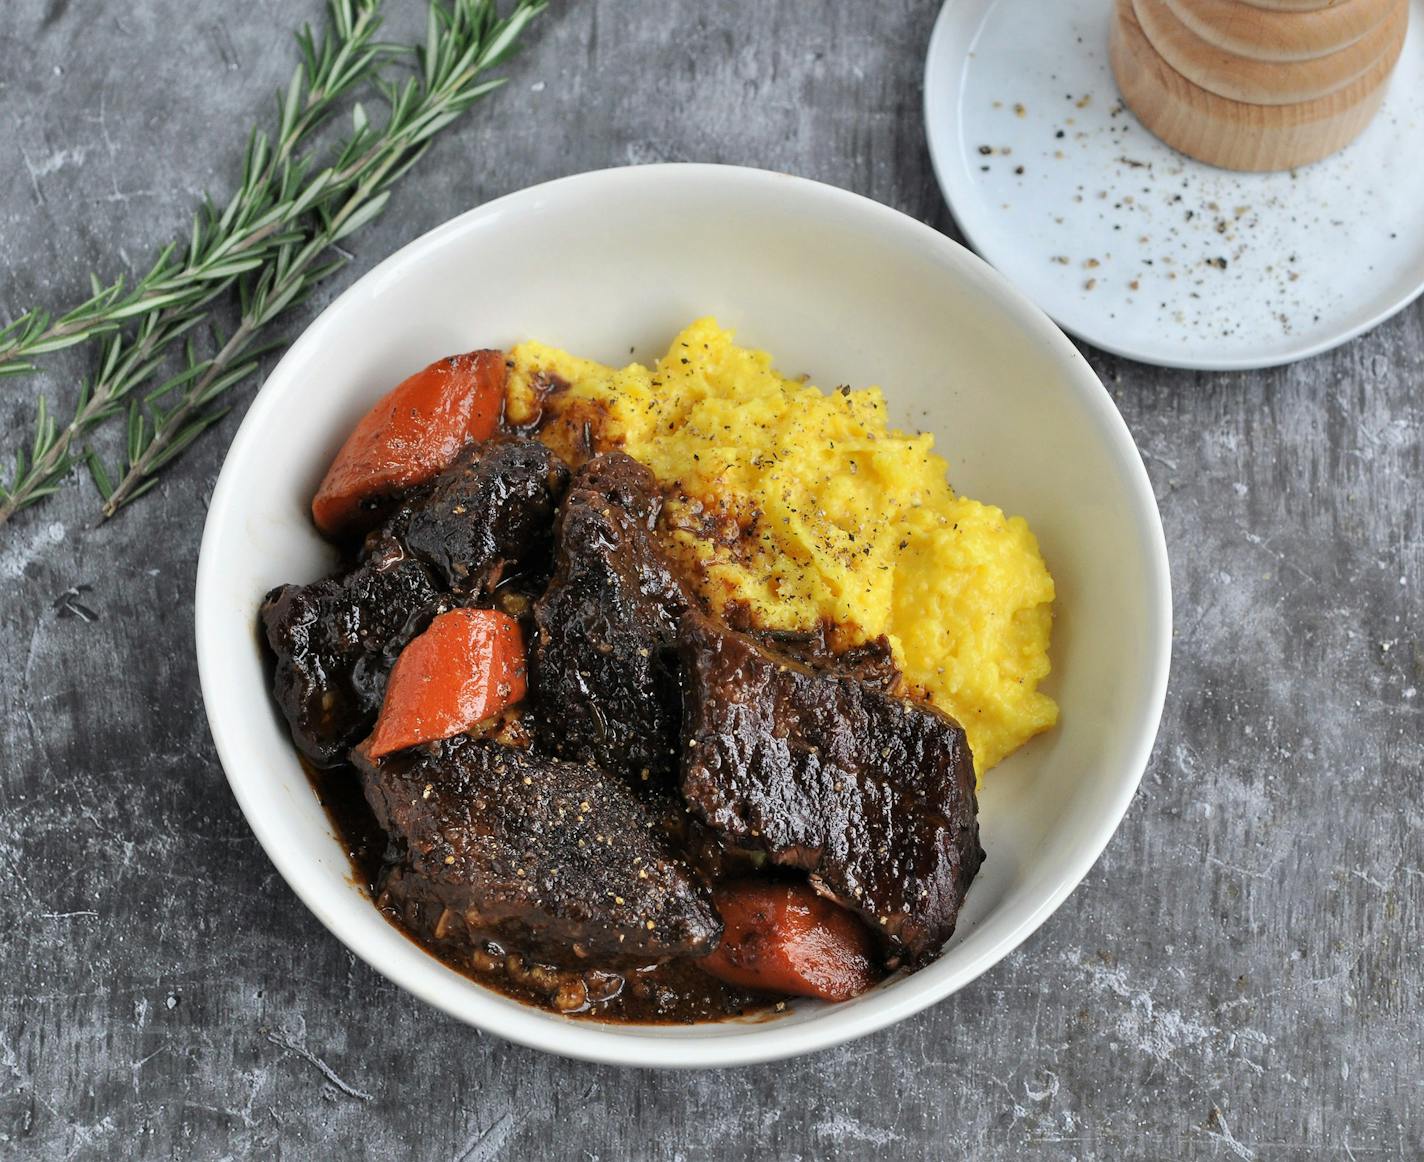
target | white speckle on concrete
[
  {"x": 843, "y": 1128},
  {"x": 15, "y": 556},
  {"x": 300, "y": 1049},
  {"x": 1240, "y": 1149},
  {"x": 484, "y": 1145},
  {"x": 56, "y": 161}
]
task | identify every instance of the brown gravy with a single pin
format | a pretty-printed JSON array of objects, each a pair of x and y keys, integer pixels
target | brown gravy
[{"x": 675, "y": 993}]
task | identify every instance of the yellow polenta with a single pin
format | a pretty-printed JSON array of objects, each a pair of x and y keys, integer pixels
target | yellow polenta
[{"x": 807, "y": 509}]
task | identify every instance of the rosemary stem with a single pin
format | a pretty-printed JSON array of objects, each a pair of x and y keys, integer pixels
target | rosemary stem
[
  {"x": 57, "y": 457},
  {"x": 174, "y": 422},
  {"x": 278, "y": 237},
  {"x": 176, "y": 295},
  {"x": 77, "y": 326}
]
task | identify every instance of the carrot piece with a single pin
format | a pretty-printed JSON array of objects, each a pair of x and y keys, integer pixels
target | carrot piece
[
  {"x": 467, "y": 666},
  {"x": 414, "y": 432},
  {"x": 784, "y": 938}
]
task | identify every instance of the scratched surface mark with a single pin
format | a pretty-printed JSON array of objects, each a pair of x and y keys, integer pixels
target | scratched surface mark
[{"x": 1238, "y": 978}]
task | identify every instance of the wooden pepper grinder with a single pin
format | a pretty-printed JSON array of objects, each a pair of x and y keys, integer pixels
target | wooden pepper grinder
[{"x": 1256, "y": 84}]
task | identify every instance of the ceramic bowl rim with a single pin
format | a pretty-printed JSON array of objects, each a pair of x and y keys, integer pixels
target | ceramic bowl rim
[{"x": 770, "y": 1040}]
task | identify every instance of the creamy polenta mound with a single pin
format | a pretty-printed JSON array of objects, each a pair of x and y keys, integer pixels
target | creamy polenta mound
[{"x": 805, "y": 509}]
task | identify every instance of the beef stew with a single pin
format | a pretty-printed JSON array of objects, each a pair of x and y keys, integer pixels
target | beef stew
[{"x": 584, "y": 841}]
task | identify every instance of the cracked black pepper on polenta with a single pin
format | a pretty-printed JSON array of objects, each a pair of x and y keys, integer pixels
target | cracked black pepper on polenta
[{"x": 804, "y": 508}]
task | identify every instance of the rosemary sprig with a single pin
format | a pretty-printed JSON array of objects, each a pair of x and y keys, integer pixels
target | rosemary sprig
[
  {"x": 464, "y": 40},
  {"x": 222, "y": 245},
  {"x": 276, "y": 192}
]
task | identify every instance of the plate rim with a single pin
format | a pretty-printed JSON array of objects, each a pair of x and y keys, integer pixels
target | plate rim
[{"x": 943, "y": 170}]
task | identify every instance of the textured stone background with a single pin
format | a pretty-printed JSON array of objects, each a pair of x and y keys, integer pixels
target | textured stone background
[{"x": 1239, "y": 977}]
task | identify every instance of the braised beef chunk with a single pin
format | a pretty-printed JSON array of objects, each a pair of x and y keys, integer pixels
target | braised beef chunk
[
  {"x": 872, "y": 662},
  {"x": 626, "y": 483},
  {"x": 487, "y": 516},
  {"x": 556, "y": 859},
  {"x": 602, "y": 668},
  {"x": 335, "y": 641},
  {"x": 873, "y": 795}
]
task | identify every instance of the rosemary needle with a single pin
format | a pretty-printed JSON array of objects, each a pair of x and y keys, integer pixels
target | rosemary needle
[
  {"x": 175, "y": 294},
  {"x": 288, "y": 219},
  {"x": 465, "y": 40},
  {"x": 328, "y": 70}
]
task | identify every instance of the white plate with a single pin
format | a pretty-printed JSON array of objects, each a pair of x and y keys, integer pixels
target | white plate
[{"x": 1121, "y": 239}]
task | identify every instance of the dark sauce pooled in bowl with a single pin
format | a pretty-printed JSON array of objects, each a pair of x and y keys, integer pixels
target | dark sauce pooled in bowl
[
  {"x": 676, "y": 992},
  {"x": 569, "y": 851}
]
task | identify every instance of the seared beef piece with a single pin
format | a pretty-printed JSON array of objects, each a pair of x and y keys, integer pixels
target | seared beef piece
[
  {"x": 556, "y": 860},
  {"x": 486, "y": 517},
  {"x": 627, "y": 483},
  {"x": 430, "y": 910},
  {"x": 711, "y": 858},
  {"x": 873, "y": 795},
  {"x": 872, "y": 662},
  {"x": 602, "y": 669},
  {"x": 335, "y": 641}
]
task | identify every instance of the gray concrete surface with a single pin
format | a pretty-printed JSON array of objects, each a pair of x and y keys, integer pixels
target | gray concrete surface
[{"x": 1238, "y": 978}]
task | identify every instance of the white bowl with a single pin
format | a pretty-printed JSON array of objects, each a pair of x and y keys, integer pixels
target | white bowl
[{"x": 614, "y": 263}]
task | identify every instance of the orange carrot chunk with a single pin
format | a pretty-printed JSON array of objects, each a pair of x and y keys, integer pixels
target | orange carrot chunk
[
  {"x": 784, "y": 938},
  {"x": 413, "y": 433},
  {"x": 467, "y": 666}
]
